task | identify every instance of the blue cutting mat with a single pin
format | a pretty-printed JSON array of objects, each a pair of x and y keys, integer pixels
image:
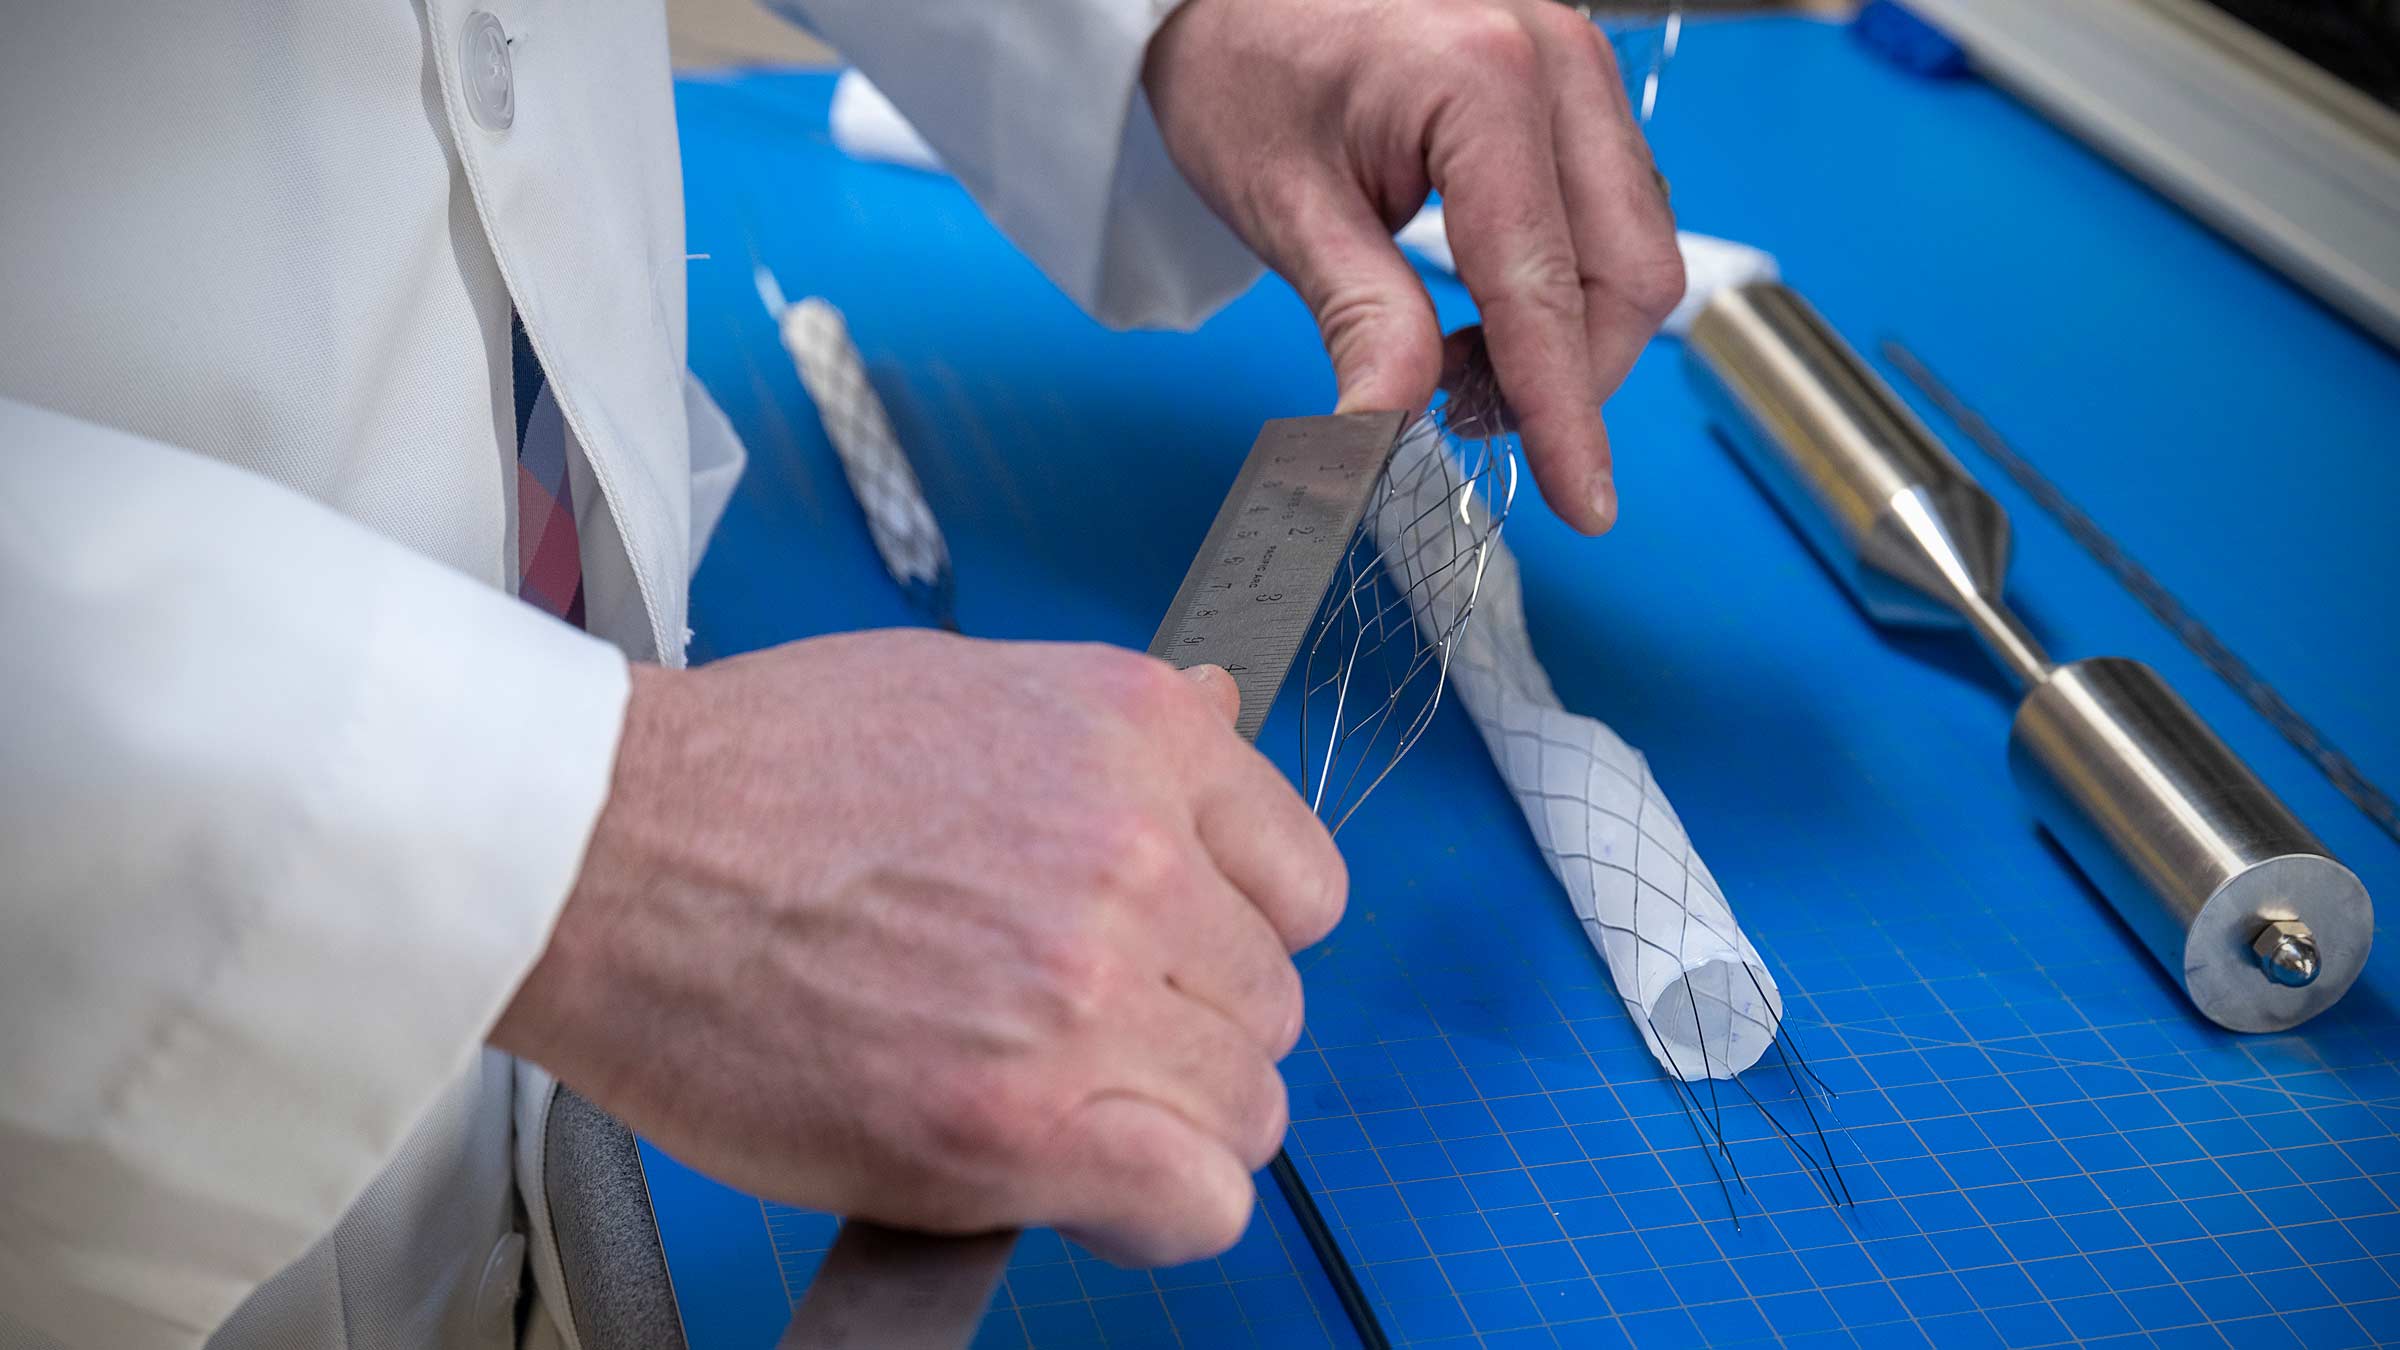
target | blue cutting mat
[{"x": 2045, "y": 1144}]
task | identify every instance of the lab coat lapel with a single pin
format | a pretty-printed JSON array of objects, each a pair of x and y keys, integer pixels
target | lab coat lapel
[{"x": 581, "y": 195}]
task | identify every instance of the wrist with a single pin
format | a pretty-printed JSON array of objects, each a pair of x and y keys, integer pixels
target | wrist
[{"x": 619, "y": 861}]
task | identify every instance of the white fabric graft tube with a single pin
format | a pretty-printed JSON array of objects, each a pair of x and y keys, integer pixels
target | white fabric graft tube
[
  {"x": 898, "y": 518},
  {"x": 1705, "y": 1003}
]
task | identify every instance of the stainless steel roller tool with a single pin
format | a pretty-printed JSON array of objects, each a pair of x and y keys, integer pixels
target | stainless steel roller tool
[{"x": 2261, "y": 926}]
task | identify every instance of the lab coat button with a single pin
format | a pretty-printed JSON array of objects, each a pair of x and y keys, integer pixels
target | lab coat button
[
  {"x": 483, "y": 63},
  {"x": 503, "y": 1280}
]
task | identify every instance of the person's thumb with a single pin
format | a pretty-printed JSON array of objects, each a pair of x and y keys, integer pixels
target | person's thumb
[
  {"x": 1370, "y": 306},
  {"x": 1218, "y": 688}
]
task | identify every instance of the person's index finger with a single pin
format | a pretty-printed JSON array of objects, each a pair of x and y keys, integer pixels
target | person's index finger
[
  {"x": 1498, "y": 176},
  {"x": 1267, "y": 842},
  {"x": 1623, "y": 230},
  {"x": 1143, "y": 1186}
]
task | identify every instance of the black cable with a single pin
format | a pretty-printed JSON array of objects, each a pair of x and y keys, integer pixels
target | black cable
[{"x": 1329, "y": 1253}]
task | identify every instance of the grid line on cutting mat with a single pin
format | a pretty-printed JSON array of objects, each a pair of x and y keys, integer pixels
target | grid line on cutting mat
[
  {"x": 2015, "y": 1092},
  {"x": 1899, "y": 1195},
  {"x": 1976, "y": 1096},
  {"x": 2027, "y": 1053}
]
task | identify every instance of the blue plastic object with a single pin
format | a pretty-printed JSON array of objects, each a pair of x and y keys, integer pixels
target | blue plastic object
[
  {"x": 2046, "y": 1143},
  {"x": 1897, "y": 34}
]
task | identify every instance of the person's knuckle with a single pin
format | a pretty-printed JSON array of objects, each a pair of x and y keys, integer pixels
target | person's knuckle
[
  {"x": 1265, "y": 1122},
  {"x": 1563, "y": 26},
  {"x": 1546, "y": 286},
  {"x": 1079, "y": 973},
  {"x": 1656, "y": 284},
  {"x": 1134, "y": 853},
  {"x": 1285, "y": 190},
  {"x": 1331, "y": 880},
  {"x": 1286, "y": 1007},
  {"x": 1141, "y": 689},
  {"x": 1349, "y": 310},
  {"x": 1593, "y": 41},
  {"x": 1221, "y": 1219},
  {"x": 1312, "y": 894},
  {"x": 983, "y": 1121},
  {"x": 1493, "y": 42}
]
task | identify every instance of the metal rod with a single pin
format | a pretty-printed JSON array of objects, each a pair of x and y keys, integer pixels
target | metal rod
[
  {"x": 2017, "y": 652},
  {"x": 2338, "y": 768},
  {"x": 2238, "y": 901}
]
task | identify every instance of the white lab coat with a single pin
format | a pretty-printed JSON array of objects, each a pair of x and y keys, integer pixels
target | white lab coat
[{"x": 290, "y": 788}]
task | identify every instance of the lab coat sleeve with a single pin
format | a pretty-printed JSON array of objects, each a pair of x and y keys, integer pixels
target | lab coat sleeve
[
  {"x": 1037, "y": 106},
  {"x": 287, "y": 812}
]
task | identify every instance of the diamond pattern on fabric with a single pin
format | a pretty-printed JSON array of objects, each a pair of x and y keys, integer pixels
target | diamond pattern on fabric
[{"x": 549, "y": 552}]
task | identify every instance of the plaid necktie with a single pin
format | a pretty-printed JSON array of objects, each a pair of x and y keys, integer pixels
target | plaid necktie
[{"x": 549, "y": 563}]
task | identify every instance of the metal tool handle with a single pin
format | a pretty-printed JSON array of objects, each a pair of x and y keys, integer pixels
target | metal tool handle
[
  {"x": 2260, "y": 924},
  {"x": 886, "y": 1289},
  {"x": 1910, "y": 534}
]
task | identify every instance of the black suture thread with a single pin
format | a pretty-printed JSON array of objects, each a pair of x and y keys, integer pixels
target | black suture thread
[
  {"x": 1690, "y": 1102},
  {"x": 1700, "y": 1032},
  {"x": 1783, "y": 1042},
  {"x": 1801, "y": 1090},
  {"x": 1792, "y": 1141},
  {"x": 1816, "y": 1169},
  {"x": 1830, "y": 1094}
]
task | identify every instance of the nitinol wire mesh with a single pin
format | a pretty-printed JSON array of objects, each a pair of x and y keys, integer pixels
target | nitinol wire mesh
[{"x": 1396, "y": 633}]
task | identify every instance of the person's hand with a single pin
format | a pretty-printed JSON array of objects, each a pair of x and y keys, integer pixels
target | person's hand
[
  {"x": 952, "y": 935},
  {"x": 1315, "y": 127}
]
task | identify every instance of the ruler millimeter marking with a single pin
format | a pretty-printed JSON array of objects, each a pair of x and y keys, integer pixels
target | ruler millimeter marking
[
  {"x": 2338, "y": 768},
  {"x": 1254, "y": 588},
  {"x": 1247, "y": 605}
]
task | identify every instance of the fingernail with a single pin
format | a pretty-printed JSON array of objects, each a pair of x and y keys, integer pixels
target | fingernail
[{"x": 1604, "y": 506}]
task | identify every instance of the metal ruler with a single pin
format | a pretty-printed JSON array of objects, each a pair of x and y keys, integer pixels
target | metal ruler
[
  {"x": 1247, "y": 604},
  {"x": 1251, "y": 596}
]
